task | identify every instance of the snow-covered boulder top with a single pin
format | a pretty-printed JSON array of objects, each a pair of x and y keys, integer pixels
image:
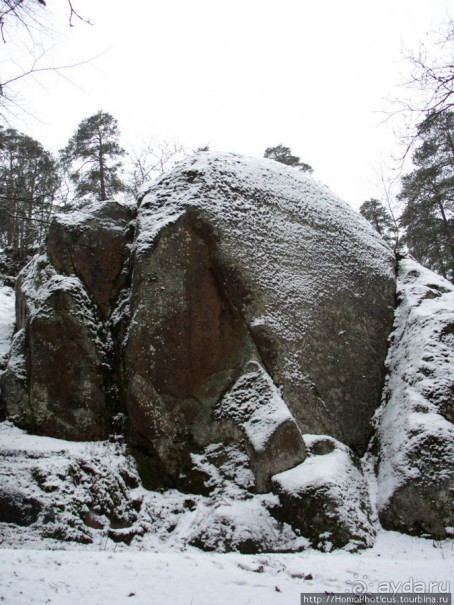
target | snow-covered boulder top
[
  {"x": 312, "y": 281},
  {"x": 272, "y": 200}
]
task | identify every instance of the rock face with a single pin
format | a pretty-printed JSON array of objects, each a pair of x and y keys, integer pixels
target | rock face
[
  {"x": 62, "y": 382},
  {"x": 327, "y": 497},
  {"x": 259, "y": 263},
  {"x": 60, "y": 369},
  {"x": 414, "y": 443},
  {"x": 92, "y": 246},
  {"x": 252, "y": 306}
]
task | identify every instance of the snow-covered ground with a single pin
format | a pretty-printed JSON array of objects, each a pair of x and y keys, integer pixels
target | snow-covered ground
[{"x": 396, "y": 563}]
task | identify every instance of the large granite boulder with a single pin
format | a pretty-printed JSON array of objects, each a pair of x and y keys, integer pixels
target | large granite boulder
[
  {"x": 414, "y": 444},
  {"x": 239, "y": 260},
  {"x": 252, "y": 306}
]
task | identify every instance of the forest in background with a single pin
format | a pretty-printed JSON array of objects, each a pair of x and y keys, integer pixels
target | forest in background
[{"x": 418, "y": 219}]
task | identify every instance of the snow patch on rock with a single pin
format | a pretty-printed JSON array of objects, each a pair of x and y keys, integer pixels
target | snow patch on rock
[
  {"x": 7, "y": 319},
  {"x": 255, "y": 404}
]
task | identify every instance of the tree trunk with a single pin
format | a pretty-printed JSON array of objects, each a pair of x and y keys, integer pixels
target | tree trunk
[
  {"x": 102, "y": 177},
  {"x": 446, "y": 226},
  {"x": 11, "y": 205},
  {"x": 102, "y": 172}
]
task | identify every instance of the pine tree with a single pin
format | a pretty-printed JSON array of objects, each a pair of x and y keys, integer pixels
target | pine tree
[
  {"x": 284, "y": 156},
  {"x": 428, "y": 192},
  {"x": 381, "y": 220},
  {"x": 92, "y": 157},
  {"x": 29, "y": 181}
]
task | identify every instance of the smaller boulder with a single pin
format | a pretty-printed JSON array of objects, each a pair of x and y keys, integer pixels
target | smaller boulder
[
  {"x": 246, "y": 527},
  {"x": 273, "y": 439},
  {"x": 326, "y": 497},
  {"x": 55, "y": 376},
  {"x": 93, "y": 244}
]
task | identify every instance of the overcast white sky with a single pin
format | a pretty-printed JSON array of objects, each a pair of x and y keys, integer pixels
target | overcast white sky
[{"x": 240, "y": 76}]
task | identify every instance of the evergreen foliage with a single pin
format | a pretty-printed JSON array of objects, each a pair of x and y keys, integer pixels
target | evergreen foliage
[
  {"x": 428, "y": 193},
  {"x": 284, "y": 156},
  {"x": 29, "y": 180},
  {"x": 93, "y": 157},
  {"x": 381, "y": 220}
]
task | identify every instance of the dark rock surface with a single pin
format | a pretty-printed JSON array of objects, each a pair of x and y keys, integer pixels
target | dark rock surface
[
  {"x": 18, "y": 508},
  {"x": 94, "y": 247},
  {"x": 326, "y": 497},
  {"x": 252, "y": 305}
]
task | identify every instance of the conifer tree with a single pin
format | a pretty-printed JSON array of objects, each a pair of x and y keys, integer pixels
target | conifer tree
[
  {"x": 93, "y": 157},
  {"x": 381, "y": 220},
  {"x": 428, "y": 194},
  {"x": 29, "y": 180},
  {"x": 284, "y": 156}
]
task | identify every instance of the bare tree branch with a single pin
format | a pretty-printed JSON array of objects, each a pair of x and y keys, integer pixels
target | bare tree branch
[
  {"x": 74, "y": 14},
  {"x": 29, "y": 16},
  {"x": 151, "y": 160},
  {"x": 34, "y": 69},
  {"x": 430, "y": 88}
]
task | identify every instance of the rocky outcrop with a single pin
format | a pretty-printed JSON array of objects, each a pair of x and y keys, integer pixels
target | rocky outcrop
[
  {"x": 60, "y": 374},
  {"x": 92, "y": 244},
  {"x": 251, "y": 306},
  {"x": 326, "y": 497},
  {"x": 65, "y": 491},
  {"x": 54, "y": 491},
  {"x": 414, "y": 443},
  {"x": 239, "y": 260},
  {"x": 60, "y": 355}
]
